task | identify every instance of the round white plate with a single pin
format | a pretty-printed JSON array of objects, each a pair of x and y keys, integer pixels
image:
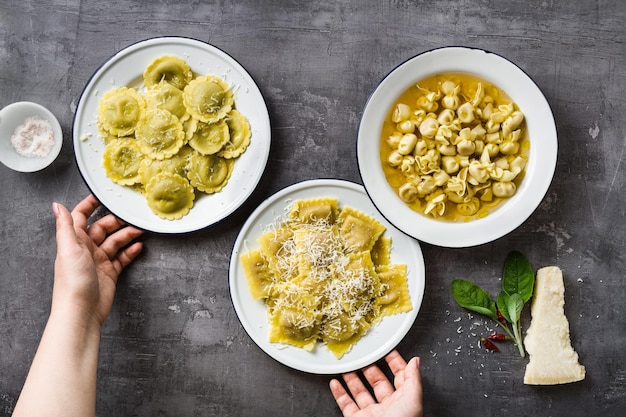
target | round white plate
[
  {"x": 13, "y": 116},
  {"x": 541, "y": 159},
  {"x": 125, "y": 69},
  {"x": 381, "y": 339}
]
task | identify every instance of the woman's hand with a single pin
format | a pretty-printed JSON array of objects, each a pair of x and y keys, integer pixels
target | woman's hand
[
  {"x": 402, "y": 399},
  {"x": 89, "y": 260}
]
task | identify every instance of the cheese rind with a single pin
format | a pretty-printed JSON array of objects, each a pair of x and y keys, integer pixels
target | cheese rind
[{"x": 552, "y": 358}]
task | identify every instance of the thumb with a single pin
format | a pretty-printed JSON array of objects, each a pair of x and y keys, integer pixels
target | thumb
[{"x": 413, "y": 374}]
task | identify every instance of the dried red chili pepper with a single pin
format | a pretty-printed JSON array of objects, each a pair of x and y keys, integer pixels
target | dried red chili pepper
[
  {"x": 488, "y": 345},
  {"x": 498, "y": 337},
  {"x": 500, "y": 317}
]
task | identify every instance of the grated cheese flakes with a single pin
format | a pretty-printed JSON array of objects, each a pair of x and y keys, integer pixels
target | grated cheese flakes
[{"x": 326, "y": 276}]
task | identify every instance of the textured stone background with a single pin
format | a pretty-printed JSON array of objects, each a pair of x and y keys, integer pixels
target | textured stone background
[{"x": 173, "y": 345}]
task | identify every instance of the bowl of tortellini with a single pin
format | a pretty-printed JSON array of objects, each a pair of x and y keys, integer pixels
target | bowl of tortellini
[{"x": 457, "y": 146}]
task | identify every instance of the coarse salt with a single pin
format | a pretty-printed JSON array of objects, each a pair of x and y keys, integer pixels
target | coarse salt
[{"x": 33, "y": 138}]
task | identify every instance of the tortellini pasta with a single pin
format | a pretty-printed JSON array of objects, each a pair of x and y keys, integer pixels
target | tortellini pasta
[
  {"x": 326, "y": 276},
  {"x": 174, "y": 138},
  {"x": 454, "y": 147}
]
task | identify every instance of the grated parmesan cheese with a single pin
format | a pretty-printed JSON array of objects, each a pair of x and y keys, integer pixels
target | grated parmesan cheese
[{"x": 318, "y": 288}]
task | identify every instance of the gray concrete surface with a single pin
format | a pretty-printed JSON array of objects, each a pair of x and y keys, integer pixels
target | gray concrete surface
[{"x": 173, "y": 345}]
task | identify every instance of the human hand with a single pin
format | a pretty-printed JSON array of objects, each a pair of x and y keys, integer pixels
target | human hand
[
  {"x": 403, "y": 401},
  {"x": 90, "y": 258}
]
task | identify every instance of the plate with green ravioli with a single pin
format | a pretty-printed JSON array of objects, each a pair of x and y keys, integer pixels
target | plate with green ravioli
[
  {"x": 171, "y": 135},
  {"x": 321, "y": 282}
]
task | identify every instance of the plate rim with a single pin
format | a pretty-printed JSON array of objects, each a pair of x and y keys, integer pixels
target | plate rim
[
  {"x": 265, "y": 128},
  {"x": 338, "y": 367},
  {"x": 445, "y": 234}
]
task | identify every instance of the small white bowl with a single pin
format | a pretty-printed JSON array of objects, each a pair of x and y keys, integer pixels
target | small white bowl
[
  {"x": 542, "y": 155},
  {"x": 14, "y": 115}
]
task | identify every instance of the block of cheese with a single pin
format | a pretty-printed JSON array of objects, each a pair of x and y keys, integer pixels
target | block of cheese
[{"x": 552, "y": 358}]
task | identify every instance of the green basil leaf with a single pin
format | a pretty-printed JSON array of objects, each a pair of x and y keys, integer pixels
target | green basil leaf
[
  {"x": 518, "y": 276},
  {"x": 502, "y": 303},
  {"x": 470, "y": 296},
  {"x": 515, "y": 304}
]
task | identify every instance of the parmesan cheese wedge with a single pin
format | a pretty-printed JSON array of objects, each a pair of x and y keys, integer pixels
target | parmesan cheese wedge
[{"x": 552, "y": 358}]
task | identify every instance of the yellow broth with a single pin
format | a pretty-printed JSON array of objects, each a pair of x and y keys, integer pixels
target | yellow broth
[{"x": 468, "y": 85}]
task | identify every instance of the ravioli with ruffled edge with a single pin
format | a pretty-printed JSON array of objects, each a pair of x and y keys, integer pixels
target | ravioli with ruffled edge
[
  {"x": 120, "y": 110},
  {"x": 325, "y": 275},
  {"x": 175, "y": 138}
]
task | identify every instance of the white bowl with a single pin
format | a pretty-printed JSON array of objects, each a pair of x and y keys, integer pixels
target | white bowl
[
  {"x": 13, "y": 116},
  {"x": 541, "y": 158}
]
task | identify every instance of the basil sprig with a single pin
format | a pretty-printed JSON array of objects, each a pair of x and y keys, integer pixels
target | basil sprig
[{"x": 518, "y": 281}]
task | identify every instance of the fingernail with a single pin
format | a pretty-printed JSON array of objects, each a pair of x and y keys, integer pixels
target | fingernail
[
  {"x": 55, "y": 209},
  {"x": 418, "y": 360}
]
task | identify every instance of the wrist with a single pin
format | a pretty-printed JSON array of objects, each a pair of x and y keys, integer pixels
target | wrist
[{"x": 75, "y": 319}]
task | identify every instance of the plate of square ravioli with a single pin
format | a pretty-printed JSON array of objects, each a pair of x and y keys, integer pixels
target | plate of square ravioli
[
  {"x": 164, "y": 168},
  {"x": 321, "y": 282}
]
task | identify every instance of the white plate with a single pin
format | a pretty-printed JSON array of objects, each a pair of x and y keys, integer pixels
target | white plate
[
  {"x": 541, "y": 160},
  {"x": 125, "y": 69},
  {"x": 14, "y": 115},
  {"x": 381, "y": 339}
]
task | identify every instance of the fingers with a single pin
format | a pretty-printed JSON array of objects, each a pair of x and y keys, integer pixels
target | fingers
[
  {"x": 109, "y": 233},
  {"x": 103, "y": 232},
  {"x": 395, "y": 361},
  {"x": 358, "y": 397},
  {"x": 413, "y": 375},
  {"x": 412, "y": 368},
  {"x": 382, "y": 387},
  {"x": 65, "y": 235},
  {"x": 126, "y": 256},
  {"x": 379, "y": 382},
  {"x": 114, "y": 246},
  {"x": 359, "y": 391},
  {"x": 397, "y": 364},
  {"x": 102, "y": 228},
  {"x": 344, "y": 401},
  {"x": 84, "y": 210}
]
